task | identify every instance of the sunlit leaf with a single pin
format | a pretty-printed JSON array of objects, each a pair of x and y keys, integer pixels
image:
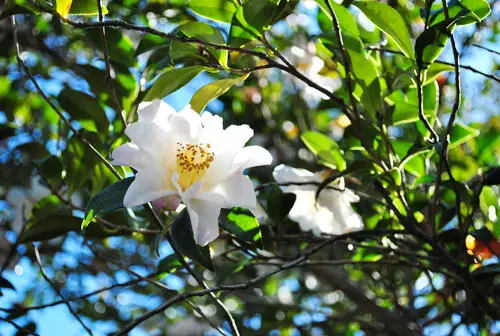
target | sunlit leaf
[{"x": 213, "y": 90}]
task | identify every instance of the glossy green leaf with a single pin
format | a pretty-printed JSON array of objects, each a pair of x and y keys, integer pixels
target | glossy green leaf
[
  {"x": 181, "y": 52},
  {"x": 50, "y": 227},
  {"x": 388, "y": 20},
  {"x": 171, "y": 81},
  {"x": 462, "y": 133},
  {"x": 150, "y": 42},
  {"x": 217, "y": 10},
  {"x": 250, "y": 20},
  {"x": 182, "y": 237},
  {"x": 83, "y": 107},
  {"x": 85, "y": 7},
  {"x": 120, "y": 47},
  {"x": 371, "y": 98},
  {"x": 33, "y": 150},
  {"x": 279, "y": 204},
  {"x": 242, "y": 224},
  {"x": 327, "y": 149},
  {"x": 212, "y": 91},
  {"x": 168, "y": 265},
  {"x": 362, "y": 68},
  {"x": 432, "y": 41},
  {"x": 406, "y": 106},
  {"x": 107, "y": 200},
  {"x": 465, "y": 11}
]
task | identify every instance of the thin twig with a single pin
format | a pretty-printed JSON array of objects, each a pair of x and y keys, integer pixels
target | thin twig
[
  {"x": 54, "y": 287},
  {"x": 109, "y": 79},
  {"x": 466, "y": 67},
  {"x": 345, "y": 57},
  {"x": 486, "y": 48},
  {"x": 18, "y": 327}
]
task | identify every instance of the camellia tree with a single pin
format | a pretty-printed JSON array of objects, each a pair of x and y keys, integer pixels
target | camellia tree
[{"x": 242, "y": 167}]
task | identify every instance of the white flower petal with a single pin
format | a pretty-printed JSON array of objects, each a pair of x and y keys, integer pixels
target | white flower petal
[
  {"x": 237, "y": 190},
  {"x": 146, "y": 188},
  {"x": 186, "y": 125},
  {"x": 156, "y": 111},
  {"x": 129, "y": 155},
  {"x": 284, "y": 174},
  {"x": 252, "y": 156},
  {"x": 204, "y": 220},
  {"x": 211, "y": 121},
  {"x": 237, "y": 136},
  {"x": 220, "y": 169}
]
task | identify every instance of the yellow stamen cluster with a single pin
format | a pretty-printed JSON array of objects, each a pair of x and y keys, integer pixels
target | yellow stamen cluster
[{"x": 192, "y": 162}]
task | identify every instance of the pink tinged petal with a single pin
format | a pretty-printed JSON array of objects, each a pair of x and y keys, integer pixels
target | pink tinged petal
[
  {"x": 238, "y": 191},
  {"x": 252, "y": 156},
  {"x": 204, "y": 220},
  {"x": 129, "y": 155},
  {"x": 156, "y": 111},
  {"x": 170, "y": 203},
  {"x": 146, "y": 188}
]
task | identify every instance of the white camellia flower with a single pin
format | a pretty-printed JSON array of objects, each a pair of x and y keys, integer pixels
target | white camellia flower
[
  {"x": 332, "y": 214},
  {"x": 306, "y": 61},
  {"x": 190, "y": 158}
]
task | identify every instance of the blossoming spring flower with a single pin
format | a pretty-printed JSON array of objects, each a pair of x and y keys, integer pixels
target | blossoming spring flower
[
  {"x": 305, "y": 60},
  {"x": 331, "y": 214},
  {"x": 190, "y": 158}
]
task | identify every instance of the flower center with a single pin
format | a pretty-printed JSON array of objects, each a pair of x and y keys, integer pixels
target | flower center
[{"x": 192, "y": 162}]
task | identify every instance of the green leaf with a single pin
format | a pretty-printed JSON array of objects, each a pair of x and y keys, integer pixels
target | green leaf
[
  {"x": 86, "y": 7},
  {"x": 63, "y": 7},
  {"x": 212, "y": 91},
  {"x": 279, "y": 204},
  {"x": 75, "y": 160},
  {"x": 50, "y": 227},
  {"x": 388, "y": 20},
  {"x": 461, "y": 133},
  {"x": 150, "y": 42},
  {"x": 250, "y": 20},
  {"x": 432, "y": 41},
  {"x": 371, "y": 98},
  {"x": 242, "y": 224},
  {"x": 182, "y": 237},
  {"x": 172, "y": 80},
  {"x": 181, "y": 52},
  {"x": 168, "y": 265},
  {"x": 327, "y": 149},
  {"x": 362, "y": 67},
  {"x": 406, "y": 106},
  {"x": 83, "y": 107},
  {"x": 466, "y": 11},
  {"x": 33, "y": 150},
  {"x": 217, "y": 10},
  {"x": 51, "y": 169},
  {"x": 107, "y": 200},
  {"x": 120, "y": 47},
  {"x": 435, "y": 69}
]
